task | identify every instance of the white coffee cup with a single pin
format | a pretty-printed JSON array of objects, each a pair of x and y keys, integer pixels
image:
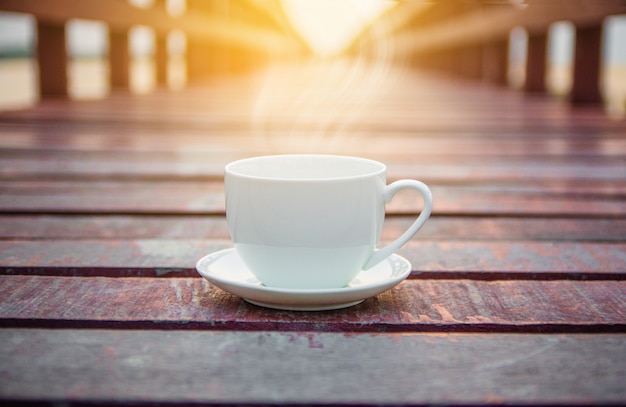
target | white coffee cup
[{"x": 312, "y": 221}]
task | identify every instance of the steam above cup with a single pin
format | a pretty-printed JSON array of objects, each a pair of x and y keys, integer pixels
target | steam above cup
[{"x": 312, "y": 221}]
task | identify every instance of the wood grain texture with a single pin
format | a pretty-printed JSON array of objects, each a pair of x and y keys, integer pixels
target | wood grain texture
[
  {"x": 37, "y": 138},
  {"x": 197, "y": 197},
  {"x": 517, "y": 294},
  {"x": 305, "y": 368},
  {"x": 419, "y": 100},
  {"x": 444, "y": 260},
  {"x": 479, "y": 168},
  {"x": 129, "y": 227},
  {"x": 413, "y": 306}
]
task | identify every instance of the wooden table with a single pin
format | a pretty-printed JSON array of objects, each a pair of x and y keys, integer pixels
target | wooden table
[{"x": 517, "y": 294}]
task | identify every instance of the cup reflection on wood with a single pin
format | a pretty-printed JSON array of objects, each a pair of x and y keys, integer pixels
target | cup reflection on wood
[{"x": 312, "y": 221}]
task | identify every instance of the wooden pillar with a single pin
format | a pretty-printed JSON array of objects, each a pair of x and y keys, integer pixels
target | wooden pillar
[
  {"x": 437, "y": 61},
  {"x": 536, "y": 63},
  {"x": 161, "y": 59},
  {"x": 587, "y": 66},
  {"x": 197, "y": 59},
  {"x": 496, "y": 62},
  {"x": 52, "y": 59},
  {"x": 452, "y": 61},
  {"x": 119, "y": 59},
  {"x": 206, "y": 58},
  {"x": 471, "y": 61}
]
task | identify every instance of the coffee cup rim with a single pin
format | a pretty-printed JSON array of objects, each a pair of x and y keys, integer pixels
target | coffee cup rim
[{"x": 377, "y": 168}]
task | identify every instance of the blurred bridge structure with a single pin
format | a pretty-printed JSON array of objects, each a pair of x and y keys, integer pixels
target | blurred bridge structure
[
  {"x": 465, "y": 38},
  {"x": 222, "y": 36},
  {"x": 471, "y": 39}
]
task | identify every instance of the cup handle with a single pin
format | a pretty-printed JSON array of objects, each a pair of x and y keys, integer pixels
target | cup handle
[{"x": 390, "y": 191}]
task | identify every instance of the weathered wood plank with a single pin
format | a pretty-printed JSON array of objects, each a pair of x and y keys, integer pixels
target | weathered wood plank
[
  {"x": 531, "y": 241},
  {"x": 373, "y": 119},
  {"x": 128, "y": 227},
  {"x": 110, "y": 196},
  {"x": 223, "y": 368},
  {"x": 419, "y": 101},
  {"x": 189, "y": 140},
  {"x": 206, "y": 197},
  {"x": 113, "y": 258},
  {"x": 414, "y": 305},
  {"x": 477, "y": 169},
  {"x": 430, "y": 259}
]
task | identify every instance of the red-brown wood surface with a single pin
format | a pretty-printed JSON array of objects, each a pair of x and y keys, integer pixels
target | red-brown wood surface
[
  {"x": 306, "y": 368},
  {"x": 440, "y": 228},
  {"x": 517, "y": 291},
  {"x": 207, "y": 197},
  {"x": 413, "y": 306},
  {"x": 446, "y": 259}
]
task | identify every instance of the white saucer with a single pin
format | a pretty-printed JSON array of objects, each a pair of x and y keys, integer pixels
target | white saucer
[{"x": 226, "y": 270}]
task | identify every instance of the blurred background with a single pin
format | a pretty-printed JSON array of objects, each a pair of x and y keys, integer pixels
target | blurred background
[{"x": 175, "y": 43}]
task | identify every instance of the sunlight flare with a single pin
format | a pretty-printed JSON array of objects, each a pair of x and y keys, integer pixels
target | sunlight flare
[{"x": 330, "y": 26}]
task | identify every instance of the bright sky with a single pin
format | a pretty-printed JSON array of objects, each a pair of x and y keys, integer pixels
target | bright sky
[{"x": 329, "y": 26}]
